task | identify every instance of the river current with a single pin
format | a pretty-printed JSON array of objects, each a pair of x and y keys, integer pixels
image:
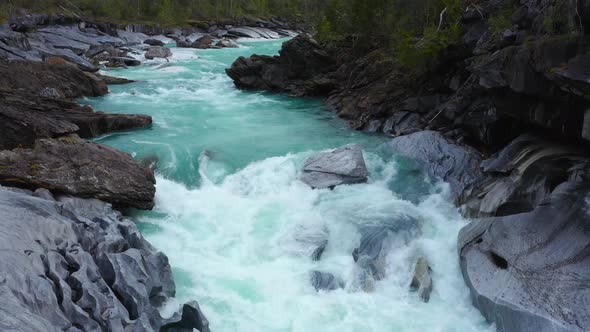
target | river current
[{"x": 234, "y": 219}]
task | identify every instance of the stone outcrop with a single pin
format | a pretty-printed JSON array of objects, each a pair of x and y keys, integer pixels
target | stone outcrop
[
  {"x": 345, "y": 165},
  {"x": 35, "y": 104},
  {"x": 71, "y": 264},
  {"x": 76, "y": 167},
  {"x": 297, "y": 70},
  {"x": 522, "y": 175},
  {"x": 67, "y": 79},
  {"x": 530, "y": 271}
]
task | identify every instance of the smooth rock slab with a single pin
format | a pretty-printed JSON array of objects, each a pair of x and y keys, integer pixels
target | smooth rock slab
[
  {"x": 158, "y": 52},
  {"x": 345, "y": 165},
  {"x": 531, "y": 271}
]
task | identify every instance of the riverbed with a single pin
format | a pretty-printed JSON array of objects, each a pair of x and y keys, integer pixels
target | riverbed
[{"x": 234, "y": 219}]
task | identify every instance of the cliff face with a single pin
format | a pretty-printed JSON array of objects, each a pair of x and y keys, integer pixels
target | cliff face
[{"x": 520, "y": 95}]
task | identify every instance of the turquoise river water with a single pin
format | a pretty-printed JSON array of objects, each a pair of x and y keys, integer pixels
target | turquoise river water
[{"x": 233, "y": 218}]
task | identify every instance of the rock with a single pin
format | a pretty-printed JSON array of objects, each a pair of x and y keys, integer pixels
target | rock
[
  {"x": 25, "y": 118},
  {"x": 457, "y": 165},
  {"x": 421, "y": 280},
  {"x": 325, "y": 281},
  {"x": 111, "y": 80},
  {"x": 73, "y": 166},
  {"x": 57, "y": 273},
  {"x": 50, "y": 93},
  {"x": 250, "y": 32},
  {"x": 66, "y": 79},
  {"x": 158, "y": 52},
  {"x": 345, "y": 165},
  {"x": 376, "y": 241},
  {"x": 153, "y": 42},
  {"x": 301, "y": 59},
  {"x": 225, "y": 43},
  {"x": 127, "y": 61},
  {"x": 529, "y": 271},
  {"x": 203, "y": 43},
  {"x": 522, "y": 175}
]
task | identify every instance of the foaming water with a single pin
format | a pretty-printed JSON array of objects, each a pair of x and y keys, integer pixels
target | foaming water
[{"x": 238, "y": 226}]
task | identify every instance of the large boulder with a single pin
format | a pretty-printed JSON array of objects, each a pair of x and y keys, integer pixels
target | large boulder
[
  {"x": 153, "y": 42},
  {"x": 455, "y": 164},
  {"x": 85, "y": 169},
  {"x": 204, "y": 42},
  {"x": 345, "y": 165},
  {"x": 77, "y": 265},
  {"x": 530, "y": 271},
  {"x": 158, "y": 52},
  {"x": 301, "y": 62}
]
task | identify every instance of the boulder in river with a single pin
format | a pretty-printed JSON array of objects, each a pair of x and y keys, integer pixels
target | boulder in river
[
  {"x": 422, "y": 280},
  {"x": 522, "y": 175},
  {"x": 77, "y": 265},
  {"x": 153, "y": 42},
  {"x": 345, "y": 165},
  {"x": 455, "y": 164},
  {"x": 204, "y": 42},
  {"x": 158, "y": 52},
  {"x": 531, "y": 271},
  {"x": 85, "y": 169},
  {"x": 325, "y": 281}
]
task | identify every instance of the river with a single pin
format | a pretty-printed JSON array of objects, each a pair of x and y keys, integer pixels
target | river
[{"x": 233, "y": 218}]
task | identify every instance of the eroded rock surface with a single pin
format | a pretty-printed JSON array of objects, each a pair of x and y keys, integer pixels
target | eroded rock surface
[
  {"x": 325, "y": 281},
  {"x": 530, "y": 271},
  {"x": 77, "y": 265},
  {"x": 421, "y": 280}
]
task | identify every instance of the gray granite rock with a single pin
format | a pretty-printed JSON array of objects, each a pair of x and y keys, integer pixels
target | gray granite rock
[
  {"x": 457, "y": 165},
  {"x": 345, "y": 165},
  {"x": 325, "y": 281},
  {"x": 77, "y": 265},
  {"x": 530, "y": 271},
  {"x": 158, "y": 52},
  {"x": 421, "y": 280}
]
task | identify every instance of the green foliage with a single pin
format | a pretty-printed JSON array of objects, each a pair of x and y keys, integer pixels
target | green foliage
[
  {"x": 416, "y": 31},
  {"x": 558, "y": 17},
  {"x": 499, "y": 23},
  {"x": 173, "y": 12}
]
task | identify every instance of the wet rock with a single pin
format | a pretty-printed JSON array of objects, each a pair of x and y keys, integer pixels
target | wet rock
[
  {"x": 421, "y": 280},
  {"x": 203, "y": 42},
  {"x": 457, "y": 165},
  {"x": 226, "y": 43},
  {"x": 131, "y": 62},
  {"x": 522, "y": 175},
  {"x": 158, "y": 52},
  {"x": 529, "y": 271},
  {"x": 345, "y": 165},
  {"x": 376, "y": 243},
  {"x": 54, "y": 277},
  {"x": 325, "y": 281},
  {"x": 154, "y": 42},
  {"x": 250, "y": 32},
  {"x": 73, "y": 166}
]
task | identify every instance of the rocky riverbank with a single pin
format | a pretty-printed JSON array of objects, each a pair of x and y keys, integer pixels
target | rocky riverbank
[
  {"x": 71, "y": 261},
  {"x": 503, "y": 118}
]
